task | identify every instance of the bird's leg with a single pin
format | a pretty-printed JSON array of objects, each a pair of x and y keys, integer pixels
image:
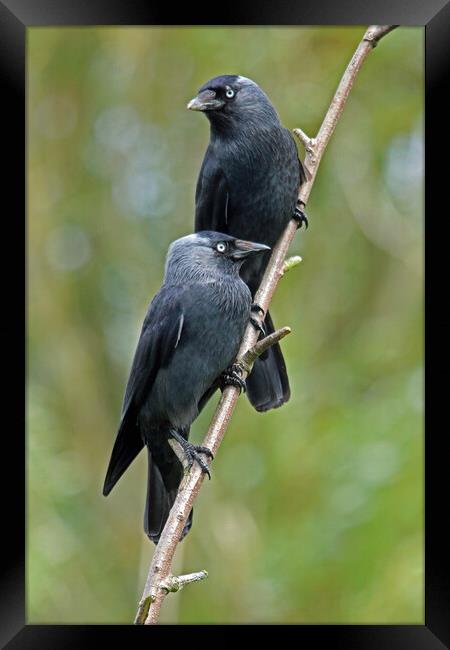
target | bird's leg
[
  {"x": 192, "y": 452},
  {"x": 232, "y": 377},
  {"x": 299, "y": 215}
]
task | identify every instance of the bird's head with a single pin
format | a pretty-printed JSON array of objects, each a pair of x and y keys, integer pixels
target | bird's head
[
  {"x": 231, "y": 100},
  {"x": 208, "y": 255}
]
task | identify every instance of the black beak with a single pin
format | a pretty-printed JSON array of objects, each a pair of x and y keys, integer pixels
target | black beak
[
  {"x": 243, "y": 249},
  {"x": 205, "y": 101}
]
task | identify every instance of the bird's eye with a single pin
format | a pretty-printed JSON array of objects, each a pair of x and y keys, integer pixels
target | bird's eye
[
  {"x": 230, "y": 92},
  {"x": 221, "y": 247}
]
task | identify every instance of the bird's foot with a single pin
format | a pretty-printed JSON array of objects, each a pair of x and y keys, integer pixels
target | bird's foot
[
  {"x": 192, "y": 452},
  {"x": 257, "y": 309},
  {"x": 258, "y": 325},
  {"x": 232, "y": 377},
  {"x": 300, "y": 216}
]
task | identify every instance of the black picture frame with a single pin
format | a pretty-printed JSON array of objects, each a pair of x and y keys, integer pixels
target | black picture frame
[{"x": 15, "y": 17}]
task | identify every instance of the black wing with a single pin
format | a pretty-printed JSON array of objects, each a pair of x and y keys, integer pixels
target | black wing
[
  {"x": 212, "y": 196},
  {"x": 160, "y": 335}
]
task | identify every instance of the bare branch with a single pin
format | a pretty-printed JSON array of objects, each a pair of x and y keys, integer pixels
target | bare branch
[
  {"x": 248, "y": 359},
  {"x": 307, "y": 142},
  {"x": 160, "y": 581},
  {"x": 175, "y": 583}
]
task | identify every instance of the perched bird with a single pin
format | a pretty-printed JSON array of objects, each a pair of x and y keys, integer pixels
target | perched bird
[
  {"x": 189, "y": 339},
  {"x": 248, "y": 187}
]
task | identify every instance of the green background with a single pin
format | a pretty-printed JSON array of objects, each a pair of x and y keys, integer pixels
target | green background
[{"x": 314, "y": 513}]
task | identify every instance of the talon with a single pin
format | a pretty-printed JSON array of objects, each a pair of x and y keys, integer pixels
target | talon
[
  {"x": 300, "y": 216},
  {"x": 257, "y": 325},
  {"x": 203, "y": 466},
  {"x": 192, "y": 452},
  {"x": 204, "y": 450},
  {"x": 232, "y": 377}
]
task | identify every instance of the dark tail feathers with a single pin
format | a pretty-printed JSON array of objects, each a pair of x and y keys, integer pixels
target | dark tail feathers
[
  {"x": 268, "y": 383},
  {"x": 164, "y": 477}
]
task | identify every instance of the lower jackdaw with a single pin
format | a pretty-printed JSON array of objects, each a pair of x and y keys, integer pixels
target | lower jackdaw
[{"x": 189, "y": 340}]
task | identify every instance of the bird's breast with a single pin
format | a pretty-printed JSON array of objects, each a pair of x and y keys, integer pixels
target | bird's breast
[
  {"x": 214, "y": 324},
  {"x": 262, "y": 197}
]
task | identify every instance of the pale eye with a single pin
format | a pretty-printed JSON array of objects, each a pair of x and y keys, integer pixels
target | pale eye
[
  {"x": 229, "y": 93},
  {"x": 221, "y": 248}
]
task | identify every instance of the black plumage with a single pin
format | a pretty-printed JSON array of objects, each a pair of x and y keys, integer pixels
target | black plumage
[
  {"x": 248, "y": 187},
  {"x": 190, "y": 335}
]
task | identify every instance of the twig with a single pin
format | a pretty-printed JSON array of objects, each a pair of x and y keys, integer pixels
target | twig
[
  {"x": 159, "y": 575},
  {"x": 291, "y": 263},
  {"x": 175, "y": 583}
]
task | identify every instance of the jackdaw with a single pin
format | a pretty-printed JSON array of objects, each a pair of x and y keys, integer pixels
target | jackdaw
[
  {"x": 190, "y": 337},
  {"x": 248, "y": 187}
]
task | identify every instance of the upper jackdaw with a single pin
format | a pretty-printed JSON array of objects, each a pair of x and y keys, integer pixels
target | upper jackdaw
[{"x": 248, "y": 187}]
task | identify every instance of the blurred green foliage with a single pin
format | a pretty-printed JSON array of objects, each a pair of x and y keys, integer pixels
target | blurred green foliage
[{"x": 315, "y": 510}]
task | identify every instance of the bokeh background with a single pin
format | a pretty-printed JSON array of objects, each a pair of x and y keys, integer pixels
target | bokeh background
[{"x": 315, "y": 510}]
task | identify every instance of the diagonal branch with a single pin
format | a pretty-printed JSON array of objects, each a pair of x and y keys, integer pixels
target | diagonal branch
[
  {"x": 160, "y": 580},
  {"x": 315, "y": 147}
]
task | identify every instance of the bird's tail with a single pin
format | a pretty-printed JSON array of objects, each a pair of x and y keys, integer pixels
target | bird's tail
[
  {"x": 268, "y": 383},
  {"x": 127, "y": 445},
  {"x": 164, "y": 477}
]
